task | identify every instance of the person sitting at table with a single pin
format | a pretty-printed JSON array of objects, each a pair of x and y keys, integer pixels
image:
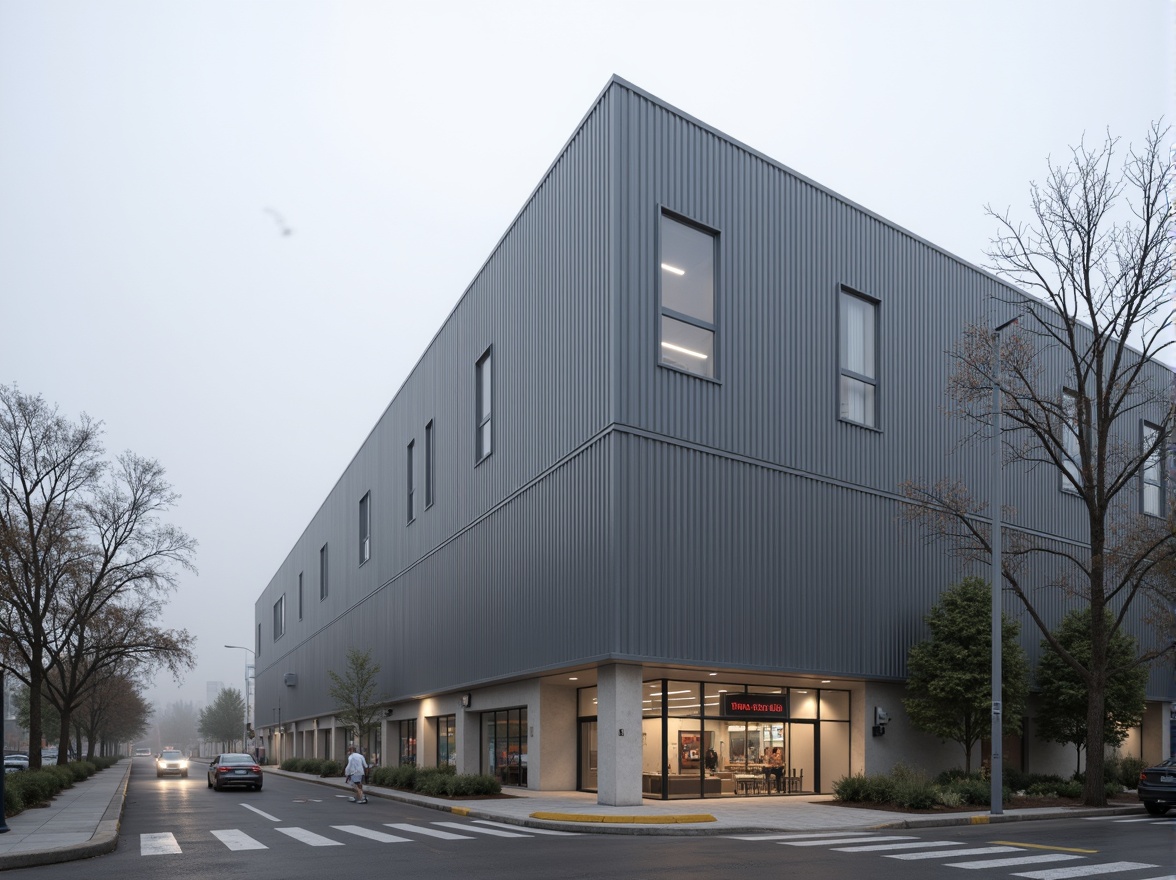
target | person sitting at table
[{"x": 775, "y": 767}]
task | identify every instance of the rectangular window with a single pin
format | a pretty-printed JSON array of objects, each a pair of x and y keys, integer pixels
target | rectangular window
[
  {"x": 447, "y": 740},
  {"x": 365, "y": 528},
  {"x": 428, "y": 465},
  {"x": 300, "y": 595},
  {"x": 323, "y": 573},
  {"x": 280, "y": 617},
  {"x": 687, "y": 284},
  {"x": 408, "y": 743},
  {"x": 484, "y": 439},
  {"x": 257, "y": 649},
  {"x": 409, "y": 488},
  {"x": 859, "y": 362},
  {"x": 1071, "y": 471},
  {"x": 1153, "y": 473}
]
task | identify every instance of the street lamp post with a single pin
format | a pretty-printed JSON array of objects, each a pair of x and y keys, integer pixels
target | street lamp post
[
  {"x": 996, "y": 763},
  {"x": 245, "y": 725}
]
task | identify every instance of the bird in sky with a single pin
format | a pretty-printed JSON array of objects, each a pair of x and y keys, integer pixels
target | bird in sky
[{"x": 282, "y": 225}]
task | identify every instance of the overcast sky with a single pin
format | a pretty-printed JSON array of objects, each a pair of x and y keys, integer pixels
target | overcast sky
[{"x": 144, "y": 281}]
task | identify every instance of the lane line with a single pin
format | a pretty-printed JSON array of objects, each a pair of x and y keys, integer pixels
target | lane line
[
  {"x": 952, "y": 853},
  {"x": 428, "y": 832},
  {"x": 308, "y": 837},
  {"x": 360, "y": 831},
  {"x": 882, "y": 847},
  {"x": 1012, "y": 863},
  {"x": 480, "y": 830},
  {"x": 797, "y": 835},
  {"x": 260, "y": 813},
  {"x": 529, "y": 829},
  {"x": 161, "y": 844},
  {"x": 237, "y": 840},
  {"x": 1085, "y": 870}
]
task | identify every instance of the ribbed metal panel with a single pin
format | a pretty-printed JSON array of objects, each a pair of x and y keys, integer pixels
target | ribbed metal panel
[{"x": 630, "y": 510}]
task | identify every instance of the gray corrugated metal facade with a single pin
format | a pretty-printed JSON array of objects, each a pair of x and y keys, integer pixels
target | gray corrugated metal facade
[{"x": 635, "y": 514}]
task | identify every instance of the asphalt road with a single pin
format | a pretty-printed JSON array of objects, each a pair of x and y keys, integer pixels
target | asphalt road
[{"x": 179, "y": 828}]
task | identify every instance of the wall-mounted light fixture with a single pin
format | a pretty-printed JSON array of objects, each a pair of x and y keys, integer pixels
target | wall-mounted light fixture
[
  {"x": 388, "y": 712},
  {"x": 465, "y": 701}
]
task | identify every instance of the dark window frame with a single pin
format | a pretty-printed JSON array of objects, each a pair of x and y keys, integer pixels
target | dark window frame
[
  {"x": 844, "y": 372},
  {"x": 280, "y": 617},
  {"x": 664, "y": 311},
  {"x": 1072, "y": 424},
  {"x": 483, "y": 407},
  {"x": 324, "y": 572},
  {"x": 410, "y": 485},
  {"x": 365, "y": 527},
  {"x": 429, "y": 497},
  {"x": 300, "y": 595},
  {"x": 1156, "y": 460}
]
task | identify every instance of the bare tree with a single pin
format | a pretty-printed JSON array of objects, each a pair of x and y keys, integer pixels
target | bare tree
[
  {"x": 1078, "y": 376},
  {"x": 84, "y": 556}
]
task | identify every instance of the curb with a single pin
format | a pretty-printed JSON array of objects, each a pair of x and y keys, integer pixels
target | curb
[
  {"x": 103, "y": 841},
  {"x": 986, "y": 819},
  {"x": 684, "y": 818}
]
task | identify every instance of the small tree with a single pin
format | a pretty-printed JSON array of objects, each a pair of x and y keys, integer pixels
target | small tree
[
  {"x": 355, "y": 692},
  {"x": 1064, "y": 695},
  {"x": 224, "y": 721},
  {"x": 950, "y": 674}
]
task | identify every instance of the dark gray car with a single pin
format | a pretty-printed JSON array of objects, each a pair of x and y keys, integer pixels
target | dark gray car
[
  {"x": 234, "y": 769},
  {"x": 1157, "y": 787}
]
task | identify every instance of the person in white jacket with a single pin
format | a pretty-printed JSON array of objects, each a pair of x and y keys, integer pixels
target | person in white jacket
[{"x": 356, "y": 767}]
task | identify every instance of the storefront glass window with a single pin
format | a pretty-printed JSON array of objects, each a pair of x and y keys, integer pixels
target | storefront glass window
[
  {"x": 834, "y": 705},
  {"x": 447, "y": 740}
]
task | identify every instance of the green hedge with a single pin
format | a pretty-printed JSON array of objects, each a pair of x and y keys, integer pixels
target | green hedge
[{"x": 441, "y": 781}]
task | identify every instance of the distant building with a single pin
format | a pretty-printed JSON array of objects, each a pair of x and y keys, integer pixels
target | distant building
[
  {"x": 635, "y": 511},
  {"x": 213, "y": 689}
]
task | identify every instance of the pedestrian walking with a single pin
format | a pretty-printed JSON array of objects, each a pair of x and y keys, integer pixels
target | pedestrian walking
[{"x": 355, "y": 770}]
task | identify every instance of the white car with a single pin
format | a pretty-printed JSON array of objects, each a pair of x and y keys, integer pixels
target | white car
[
  {"x": 12, "y": 763},
  {"x": 171, "y": 761}
]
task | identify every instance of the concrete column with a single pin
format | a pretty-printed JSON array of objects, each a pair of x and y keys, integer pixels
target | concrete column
[{"x": 618, "y": 693}]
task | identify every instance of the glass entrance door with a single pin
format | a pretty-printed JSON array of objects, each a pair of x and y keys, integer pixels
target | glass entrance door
[{"x": 588, "y": 754}]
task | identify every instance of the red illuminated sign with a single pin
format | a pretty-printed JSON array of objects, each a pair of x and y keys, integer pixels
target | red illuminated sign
[{"x": 764, "y": 706}]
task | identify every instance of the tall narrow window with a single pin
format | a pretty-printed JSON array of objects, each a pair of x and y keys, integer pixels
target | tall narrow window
[
  {"x": 429, "y": 465},
  {"x": 257, "y": 648},
  {"x": 365, "y": 528},
  {"x": 484, "y": 441},
  {"x": 323, "y": 572},
  {"x": 859, "y": 363},
  {"x": 408, "y": 481},
  {"x": 280, "y": 617},
  {"x": 300, "y": 595},
  {"x": 687, "y": 273},
  {"x": 1153, "y": 473},
  {"x": 1072, "y": 472}
]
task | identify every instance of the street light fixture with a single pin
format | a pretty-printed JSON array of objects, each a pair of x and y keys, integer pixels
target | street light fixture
[
  {"x": 996, "y": 762},
  {"x": 245, "y": 725}
]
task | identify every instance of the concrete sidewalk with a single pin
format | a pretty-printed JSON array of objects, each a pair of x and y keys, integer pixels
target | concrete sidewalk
[
  {"x": 79, "y": 823},
  {"x": 83, "y": 821}
]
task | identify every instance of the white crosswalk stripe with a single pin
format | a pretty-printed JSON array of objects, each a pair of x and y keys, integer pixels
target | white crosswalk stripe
[
  {"x": 843, "y": 840},
  {"x": 953, "y": 853},
  {"x": 797, "y": 835},
  {"x": 308, "y": 837},
  {"x": 550, "y": 831},
  {"x": 428, "y": 832},
  {"x": 360, "y": 831},
  {"x": 237, "y": 840},
  {"x": 884, "y": 847},
  {"x": 1085, "y": 870},
  {"x": 480, "y": 830},
  {"x": 161, "y": 844},
  {"x": 1012, "y": 863}
]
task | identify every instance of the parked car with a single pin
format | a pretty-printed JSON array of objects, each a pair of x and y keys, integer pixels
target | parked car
[
  {"x": 12, "y": 763},
  {"x": 1157, "y": 787},
  {"x": 171, "y": 761},
  {"x": 234, "y": 769}
]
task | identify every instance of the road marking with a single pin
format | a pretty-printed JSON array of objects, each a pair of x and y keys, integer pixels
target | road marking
[
  {"x": 428, "y": 832},
  {"x": 493, "y": 831},
  {"x": 236, "y": 839},
  {"x": 1084, "y": 870},
  {"x": 528, "y": 829},
  {"x": 161, "y": 844},
  {"x": 798, "y": 835},
  {"x": 1009, "y": 863},
  {"x": 308, "y": 837},
  {"x": 839, "y": 840},
  {"x": 260, "y": 813},
  {"x": 1044, "y": 846},
  {"x": 952, "y": 853},
  {"x": 881, "y": 847},
  {"x": 1126, "y": 821},
  {"x": 360, "y": 831}
]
